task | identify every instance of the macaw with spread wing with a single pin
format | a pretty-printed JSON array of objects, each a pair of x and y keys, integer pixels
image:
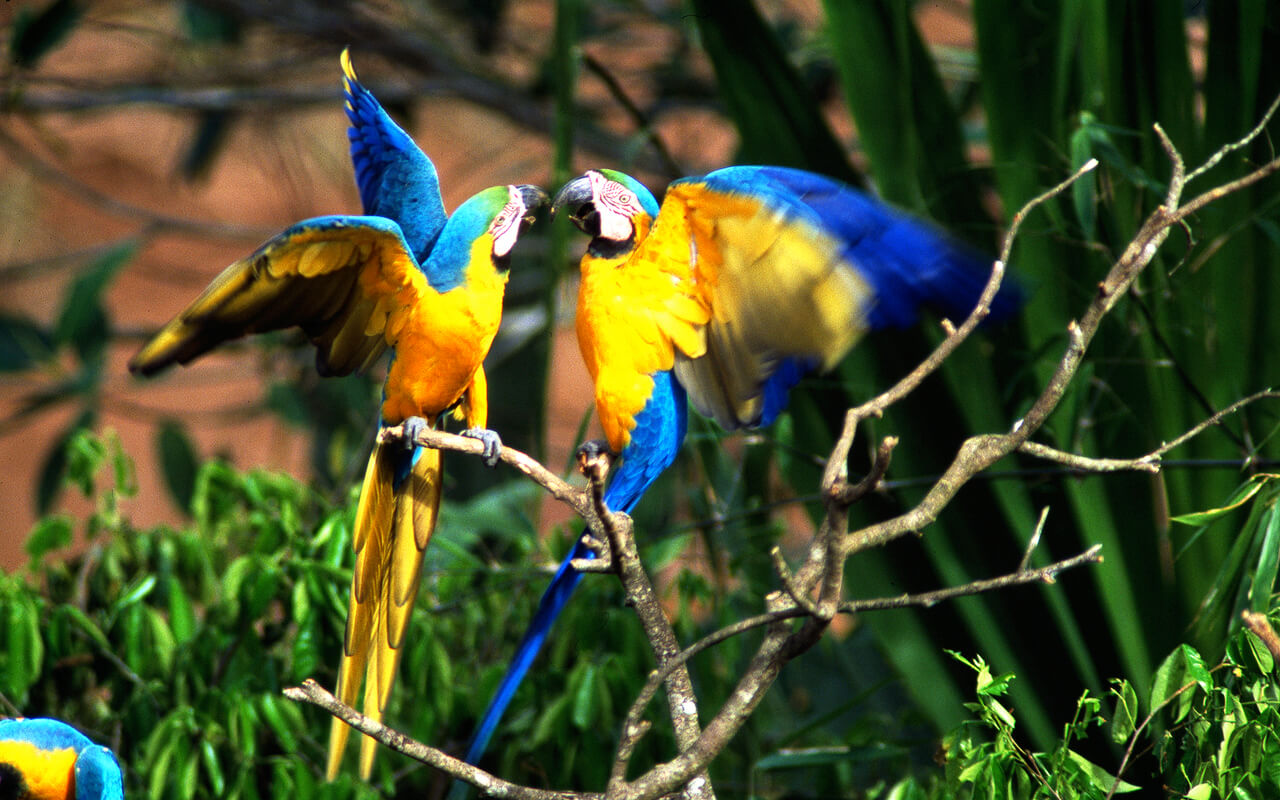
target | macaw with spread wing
[
  {"x": 403, "y": 277},
  {"x": 745, "y": 280},
  {"x": 47, "y": 759}
]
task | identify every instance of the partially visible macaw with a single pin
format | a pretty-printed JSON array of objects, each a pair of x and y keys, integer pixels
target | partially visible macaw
[
  {"x": 745, "y": 280},
  {"x": 47, "y": 759},
  {"x": 402, "y": 277}
]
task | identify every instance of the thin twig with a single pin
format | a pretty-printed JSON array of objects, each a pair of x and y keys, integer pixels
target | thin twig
[
  {"x": 638, "y": 117},
  {"x": 1244, "y": 141},
  {"x": 1034, "y": 541},
  {"x": 493, "y": 786},
  {"x": 1089, "y": 464},
  {"x": 1151, "y": 462}
]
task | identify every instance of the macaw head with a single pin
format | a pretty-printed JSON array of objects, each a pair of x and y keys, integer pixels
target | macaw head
[
  {"x": 47, "y": 758},
  {"x": 492, "y": 219},
  {"x": 607, "y": 204}
]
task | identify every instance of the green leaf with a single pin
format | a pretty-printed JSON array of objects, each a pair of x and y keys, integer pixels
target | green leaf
[
  {"x": 824, "y": 756},
  {"x": 82, "y": 322},
  {"x": 306, "y": 650},
  {"x": 209, "y": 25},
  {"x": 23, "y": 652},
  {"x": 1125, "y": 719},
  {"x": 36, "y": 33},
  {"x": 1182, "y": 667},
  {"x": 777, "y": 118},
  {"x": 160, "y": 643},
  {"x": 178, "y": 462},
  {"x": 1084, "y": 192},
  {"x": 288, "y": 402},
  {"x": 50, "y": 533},
  {"x": 1201, "y": 791},
  {"x": 1260, "y": 657},
  {"x": 85, "y": 624},
  {"x": 1264, "y": 575},
  {"x": 182, "y": 613},
  {"x": 187, "y": 780},
  {"x": 441, "y": 668},
  {"x": 584, "y": 699},
  {"x": 276, "y": 715},
  {"x": 1241, "y": 496},
  {"x": 53, "y": 472},
  {"x": 135, "y": 593},
  {"x": 1099, "y": 779},
  {"x": 23, "y": 343}
]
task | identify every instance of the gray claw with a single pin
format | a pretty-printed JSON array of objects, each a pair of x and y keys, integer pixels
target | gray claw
[
  {"x": 593, "y": 448},
  {"x": 413, "y": 427},
  {"x": 492, "y": 444}
]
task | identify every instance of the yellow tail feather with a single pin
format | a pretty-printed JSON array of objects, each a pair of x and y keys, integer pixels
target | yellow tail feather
[{"x": 391, "y": 535}]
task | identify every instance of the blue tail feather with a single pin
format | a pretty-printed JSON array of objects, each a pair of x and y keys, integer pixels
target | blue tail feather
[
  {"x": 552, "y": 603},
  {"x": 655, "y": 442}
]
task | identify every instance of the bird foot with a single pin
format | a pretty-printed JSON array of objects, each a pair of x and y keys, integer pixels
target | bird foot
[
  {"x": 593, "y": 448},
  {"x": 412, "y": 428},
  {"x": 492, "y": 443}
]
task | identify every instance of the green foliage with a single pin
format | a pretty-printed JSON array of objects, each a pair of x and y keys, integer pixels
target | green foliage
[
  {"x": 1043, "y": 88},
  {"x": 1209, "y": 732}
]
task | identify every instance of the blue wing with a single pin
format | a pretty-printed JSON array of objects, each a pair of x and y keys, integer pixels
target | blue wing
[
  {"x": 395, "y": 177},
  {"x": 909, "y": 262}
]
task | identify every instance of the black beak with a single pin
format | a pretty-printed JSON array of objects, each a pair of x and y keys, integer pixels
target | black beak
[
  {"x": 578, "y": 196},
  {"x": 533, "y": 198}
]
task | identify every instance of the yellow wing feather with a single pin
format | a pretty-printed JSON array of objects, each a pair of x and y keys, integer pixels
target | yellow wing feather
[
  {"x": 333, "y": 278},
  {"x": 777, "y": 286}
]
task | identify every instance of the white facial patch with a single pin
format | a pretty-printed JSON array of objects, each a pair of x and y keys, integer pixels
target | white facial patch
[
  {"x": 615, "y": 204},
  {"x": 506, "y": 226}
]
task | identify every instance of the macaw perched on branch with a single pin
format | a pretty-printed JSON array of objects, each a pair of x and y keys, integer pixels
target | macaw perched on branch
[
  {"x": 403, "y": 277},
  {"x": 47, "y": 759},
  {"x": 745, "y": 280}
]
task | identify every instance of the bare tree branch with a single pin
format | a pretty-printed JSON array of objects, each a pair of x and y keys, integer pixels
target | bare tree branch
[{"x": 493, "y": 786}]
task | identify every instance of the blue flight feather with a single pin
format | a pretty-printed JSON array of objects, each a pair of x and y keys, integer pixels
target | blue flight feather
[
  {"x": 777, "y": 388},
  {"x": 655, "y": 442},
  {"x": 395, "y": 177}
]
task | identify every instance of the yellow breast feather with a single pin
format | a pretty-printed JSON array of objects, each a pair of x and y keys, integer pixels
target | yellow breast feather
[
  {"x": 48, "y": 774},
  {"x": 441, "y": 338}
]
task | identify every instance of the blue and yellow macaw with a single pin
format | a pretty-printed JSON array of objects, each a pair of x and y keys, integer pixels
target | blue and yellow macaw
[
  {"x": 47, "y": 759},
  {"x": 745, "y": 280},
  {"x": 402, "y": 277}
]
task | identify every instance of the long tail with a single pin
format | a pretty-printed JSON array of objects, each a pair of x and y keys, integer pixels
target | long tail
[
  {"x": 655, "y": 442},
  {"x": 399, "y": 502}
]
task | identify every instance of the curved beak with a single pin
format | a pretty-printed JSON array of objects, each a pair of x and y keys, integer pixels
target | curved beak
[
  {"x": 533, "y": 198},
  {"x": 579, "y": 196}
]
